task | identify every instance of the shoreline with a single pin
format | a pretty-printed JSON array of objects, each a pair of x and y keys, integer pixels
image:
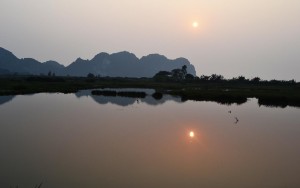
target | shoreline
[{"x": 224, "y": 92}]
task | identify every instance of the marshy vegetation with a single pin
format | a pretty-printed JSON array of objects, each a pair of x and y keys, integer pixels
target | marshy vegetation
[{"x": 205, "y": 88}]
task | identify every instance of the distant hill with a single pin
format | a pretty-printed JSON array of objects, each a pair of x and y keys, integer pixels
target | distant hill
[
  {"x": 9, "y": 63},
  {"x": 122, "y": 64}
]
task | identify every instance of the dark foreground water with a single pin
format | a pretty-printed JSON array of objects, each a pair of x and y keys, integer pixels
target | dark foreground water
[{"x": 81, "y": 141}]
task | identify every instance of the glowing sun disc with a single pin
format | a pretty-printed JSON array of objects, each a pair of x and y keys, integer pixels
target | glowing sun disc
[
  {"x": 195, "y": 24},
  {"x": 192, "y": 134}
]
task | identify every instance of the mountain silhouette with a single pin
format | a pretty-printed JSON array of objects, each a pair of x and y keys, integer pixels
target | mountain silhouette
[
  {"x": 9, "y": 63},
  {"x": 121, "y": 64}
]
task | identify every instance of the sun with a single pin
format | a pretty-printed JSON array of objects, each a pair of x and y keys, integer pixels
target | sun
[
  {"x": 192, "y": 134},
  {"x": 195, "y": 24}
]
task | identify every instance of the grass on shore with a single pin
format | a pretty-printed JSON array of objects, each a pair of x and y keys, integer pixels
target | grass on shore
[{"x": 268, "y": 94}]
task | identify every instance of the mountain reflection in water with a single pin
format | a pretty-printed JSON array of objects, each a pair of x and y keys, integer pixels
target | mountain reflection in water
[
  {"x": 163, "y": 98},
  {"x": 5, "y": 99},
  {"x": 127, "y": 101}
]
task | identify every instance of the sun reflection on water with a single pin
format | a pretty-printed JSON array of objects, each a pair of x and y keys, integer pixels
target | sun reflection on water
[{"x": 193, "y": 136}]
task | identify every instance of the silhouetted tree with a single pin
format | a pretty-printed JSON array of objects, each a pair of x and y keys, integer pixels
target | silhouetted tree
[
  {"x": 255, "y": 80},
  {"x": 49, "y": 73},
  {"x": 215, "y": 77},
  {"x": 204, "y": 78},
  {"x": 163, "y": 73},
  {"x": 177, "y": 74},
  {"x": 292, "y": 81},
  {"x": 241, "y": 79},
  {"x": 162, "y": 76},
  {"x": 189, "y": 77},
  {"x": 91, "y": 75}
]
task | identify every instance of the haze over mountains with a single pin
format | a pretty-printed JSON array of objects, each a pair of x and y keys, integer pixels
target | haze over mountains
[{"x": 122, "y": 64}]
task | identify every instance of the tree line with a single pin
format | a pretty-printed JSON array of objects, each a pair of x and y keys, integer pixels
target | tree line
[{"x": 184, "y": 76}]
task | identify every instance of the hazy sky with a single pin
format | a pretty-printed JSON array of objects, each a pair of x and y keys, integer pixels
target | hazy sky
[{"x": 234, "y": 37}]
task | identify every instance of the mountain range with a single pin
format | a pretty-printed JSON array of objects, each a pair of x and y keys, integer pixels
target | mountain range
[{"x": 121, "y": 64}]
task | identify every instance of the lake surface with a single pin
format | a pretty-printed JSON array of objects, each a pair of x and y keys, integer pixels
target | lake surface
[{"x": 79, "y": 141}]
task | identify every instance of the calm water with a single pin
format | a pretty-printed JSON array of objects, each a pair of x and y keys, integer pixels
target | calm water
[{"x": 80, "y": 141}]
